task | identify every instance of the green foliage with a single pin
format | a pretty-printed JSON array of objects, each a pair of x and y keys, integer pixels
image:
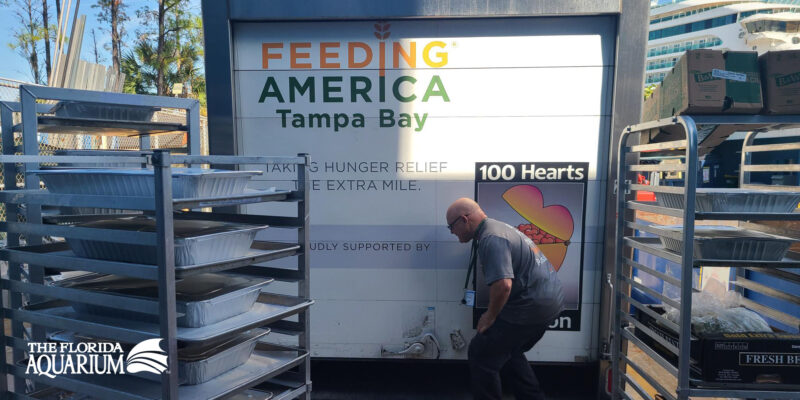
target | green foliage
[
  {"x": 139, "y": 67},
  {"x": 104, "y": 13},
  {"x": 648, "y": 91},
  {"x": 112, "y": 13},
  {"x": 181, "y": 52},
  {"x": 26, "y": 35}
]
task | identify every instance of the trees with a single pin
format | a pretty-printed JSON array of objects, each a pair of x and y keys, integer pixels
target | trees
[
  {"x": 170, "y": 19},
  {"x": 33, "y": 27},
  {"x": 112, "y": 12},
  {"x": 97, "y": 57},
  {"x": 166, "y": 50},
  {"x": 139, "y": 67},
  {"x": 168, "y": 53},
  {"x": 27, "y": 34},
  {"x": 47, "y": 38},
  {"x": 188, "y": 53}
]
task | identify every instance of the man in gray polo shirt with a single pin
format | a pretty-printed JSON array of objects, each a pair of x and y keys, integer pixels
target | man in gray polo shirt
[{"x": 524, "y": 297}]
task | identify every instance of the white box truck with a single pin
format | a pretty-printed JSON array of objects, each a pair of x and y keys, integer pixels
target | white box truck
[{"x": 404, "y": 107}]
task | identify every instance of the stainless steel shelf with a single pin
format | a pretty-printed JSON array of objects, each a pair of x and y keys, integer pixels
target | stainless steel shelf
[
  {"x": 681, "y": 139},
  {"x": 289, "y": 328},
  {"x": 106, "y": 127},
  {"x": 653, "y": 207},
  {"x": 759, "y": 391},
  {"x": 743, "y": 122},
  {"x": 627, "y": 334},
  {"x": 700, "y": 388},
  {"x": 60, "y": 256},
  {"x": 653, "y": 246},
  {"x": 283, "y": 387},
  {"x": 249, "y": 197},
  {"x": 44, "y": 197},
  {"x": 60, "y": 315},
  {"x": 268, "y": 360},
  {"x": 288, "y": 393}
]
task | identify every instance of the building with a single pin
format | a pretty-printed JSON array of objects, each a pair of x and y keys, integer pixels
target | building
[{"x": 680, "y": 25}]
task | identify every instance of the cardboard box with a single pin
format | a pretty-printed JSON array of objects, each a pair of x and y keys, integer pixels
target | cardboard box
[
  {"x": 752, "y": 358},
  {"x": 690, "y": 88},
  {"x": 731, "y": 357},
  {"x": 651, "y": 108},
  {"x": 780, "y": 78},
  {"x": 742, "y": 79},
  {"x": 695, "y": 351},
  {"x": 706, "y": 81},
  {"x": 713, "y": 138}
]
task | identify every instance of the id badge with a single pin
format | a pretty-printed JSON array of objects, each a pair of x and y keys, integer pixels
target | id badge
[{"x": 469, "y": 298}]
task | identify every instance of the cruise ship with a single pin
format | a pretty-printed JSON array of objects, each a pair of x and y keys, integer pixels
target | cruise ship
[{"x": 680, "y": 25}]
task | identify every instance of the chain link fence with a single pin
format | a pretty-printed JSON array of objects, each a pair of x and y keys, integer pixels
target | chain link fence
[
  {"x": 9, "y": 89},
  {"x": 49, "y": 143}
]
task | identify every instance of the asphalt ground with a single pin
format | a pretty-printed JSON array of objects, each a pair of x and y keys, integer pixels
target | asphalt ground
[{"x": 434, "y": 380}]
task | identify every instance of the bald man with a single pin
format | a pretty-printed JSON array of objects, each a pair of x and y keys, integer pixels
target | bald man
[{"x": 524, "y": 297}]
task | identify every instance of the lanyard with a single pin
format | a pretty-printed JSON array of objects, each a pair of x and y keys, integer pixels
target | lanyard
[{"x": 473, "y": 259}]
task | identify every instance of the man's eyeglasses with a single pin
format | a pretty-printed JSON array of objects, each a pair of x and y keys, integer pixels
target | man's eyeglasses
[{"x": 452, "y": 224}]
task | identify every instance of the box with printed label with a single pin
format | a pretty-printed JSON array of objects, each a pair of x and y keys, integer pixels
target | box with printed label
[
  {"x": 752, "y": 358},
  {"x": 706, "y": 81},
  {"x": 780, "y": 77}
]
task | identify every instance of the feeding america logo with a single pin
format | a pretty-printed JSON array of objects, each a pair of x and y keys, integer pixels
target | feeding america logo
[{"x": 98, "y": 358}]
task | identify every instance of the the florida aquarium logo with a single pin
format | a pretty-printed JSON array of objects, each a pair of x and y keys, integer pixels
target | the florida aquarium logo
[{"x": 95, "y": 358}]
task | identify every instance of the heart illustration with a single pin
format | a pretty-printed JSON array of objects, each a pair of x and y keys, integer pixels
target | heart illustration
[
  {"x": 552, "y": 225},
  {"x": 555, "y": 253}
]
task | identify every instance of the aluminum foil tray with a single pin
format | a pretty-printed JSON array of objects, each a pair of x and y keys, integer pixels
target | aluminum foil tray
[
  {"x": 186, "y": 182},
  {"x": 734, "y": 200},
  {"x": 115, "y": 153},
  {"x": 252, "y": 394},
  {"x": 268, "y": 309},
  {"x": 730, "y": 243},
  {"x": 196, "y": 242},
  {"x": 196, "y": 364},
  {"x": 204, "y": 299},
  {"x": 123, "y": 112}
]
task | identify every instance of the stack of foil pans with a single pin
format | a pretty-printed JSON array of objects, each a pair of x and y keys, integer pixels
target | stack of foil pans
[
  {"x": 730, "y": 243},
  {"x": 186, "y": 182},
  {"x": 196, "y": 363},
  {"x": 204, "y": 299},
  {"x": 122, "y": 112},
  {"x": 734, "y": 200},
  {"x": 196, "y": 242}
]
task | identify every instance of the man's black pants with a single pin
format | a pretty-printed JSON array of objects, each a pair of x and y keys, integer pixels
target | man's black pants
[{"x": 504, "y": 344}]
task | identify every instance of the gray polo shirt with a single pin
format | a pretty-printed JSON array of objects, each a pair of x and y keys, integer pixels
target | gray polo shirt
[{"x": 505, "y": 252}]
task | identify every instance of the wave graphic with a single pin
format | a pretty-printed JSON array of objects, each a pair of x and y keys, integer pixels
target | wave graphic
[{"x": 147, "y": 356}]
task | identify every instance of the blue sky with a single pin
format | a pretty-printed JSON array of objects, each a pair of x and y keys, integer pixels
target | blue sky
[{"x": 14, "y": 66}]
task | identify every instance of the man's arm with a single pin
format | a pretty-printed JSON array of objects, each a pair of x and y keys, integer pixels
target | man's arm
[{"x": 498, "y": 296}]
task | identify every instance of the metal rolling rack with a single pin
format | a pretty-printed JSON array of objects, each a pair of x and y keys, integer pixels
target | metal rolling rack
[
  {"x": 270, "y": 311},
  {"x": 687, "y": 127},
  {"x": 37, "y": 117},
  {"x": 36, "y": 108}
]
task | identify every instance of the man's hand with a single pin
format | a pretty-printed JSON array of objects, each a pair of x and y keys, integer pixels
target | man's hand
[
  {"x": 498, "y": 295},
  {"x": 485, "y": 322}
]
